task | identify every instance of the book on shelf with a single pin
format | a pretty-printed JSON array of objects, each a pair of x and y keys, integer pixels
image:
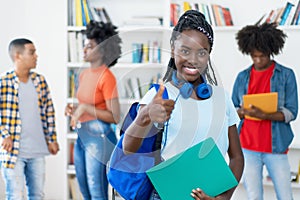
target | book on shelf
[
  {"x": 295, "y": 15},
  {"x": 227, "y": 16},
  {"x": 72, "y": 49},
  {"x": 286, "y": 13},
  {"x": 71, "y": 12},
  {"x": 216, "y": 15},
  {"x": 260, "y": 20},
  {"x": 78, "y": 13},
  {"x": 106, "y": 15},
  {"x": 80, "y": 45},
  {"x": 85, "y": 12},
  {"x": 149, "y": 52},
  {"x": 84, "y": 20},
  {"x": 136, "y": 88},
  {"x": 102, "y": 14},
  {"x": 206, "y": 11},
  {"x": 75, "y": 46},
  {"x": 174, "y": 13},
  {"x": 186, "y": 6},
  {"x": 211, "y": 15},
  {"x": 279, "y": 12},
  {"x": 73, "y": 82}
]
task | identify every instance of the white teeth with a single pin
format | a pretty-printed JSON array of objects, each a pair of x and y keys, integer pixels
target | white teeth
[{"x": 191, "y": 69}]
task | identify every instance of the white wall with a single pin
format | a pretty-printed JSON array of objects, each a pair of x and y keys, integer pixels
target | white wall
[{"x": 42, "y": 21}]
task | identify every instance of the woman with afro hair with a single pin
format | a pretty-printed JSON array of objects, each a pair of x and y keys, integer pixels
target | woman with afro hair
[
  {"x": 265, "y": 142},
  {"x": 98, "y": 107}
]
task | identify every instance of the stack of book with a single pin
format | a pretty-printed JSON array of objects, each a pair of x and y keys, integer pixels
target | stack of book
[
  {"x": 80, "y": 13},
  {"x": 216, "y": 15},
  {"x": 286, "y": 15}
]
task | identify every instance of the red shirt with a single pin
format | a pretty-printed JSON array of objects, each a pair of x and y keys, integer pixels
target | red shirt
[{"x": 257, "y": 135}]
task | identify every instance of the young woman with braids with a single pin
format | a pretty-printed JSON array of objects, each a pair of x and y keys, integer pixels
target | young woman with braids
[
  {"x": 97, "y": 109},
  {"x": 189, "y": 112},
  {"x": 265, "y": 142}
]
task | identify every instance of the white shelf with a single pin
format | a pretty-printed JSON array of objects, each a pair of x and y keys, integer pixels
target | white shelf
[
  {"x": 72, "y": 100},
  {"x": 77, "y": 64},
  {"x": 143, "y": 66},
  {"x": 132, "y": 28},
  {"x": 295, "y": 147},
  {"x": 72, "y": 135},
  {"x": 76, "y": 28},
  {"x": 237, "y": 28},
  {"x": 71, "y": 170}
]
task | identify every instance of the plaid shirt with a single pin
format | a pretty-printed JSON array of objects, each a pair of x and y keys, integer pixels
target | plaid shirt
[{"x": 10, "y": 121}]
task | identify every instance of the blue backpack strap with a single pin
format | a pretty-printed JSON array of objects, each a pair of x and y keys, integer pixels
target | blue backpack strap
[
  {"x": 156, "y": 86},
  {"x": 132, "y": 168}
]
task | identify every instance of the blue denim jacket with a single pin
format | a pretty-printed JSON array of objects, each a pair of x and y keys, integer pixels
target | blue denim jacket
[{"x": 283, "y": 81}]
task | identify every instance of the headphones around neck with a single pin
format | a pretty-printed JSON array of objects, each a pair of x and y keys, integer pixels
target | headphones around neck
[{"x": 203, "y": 91}]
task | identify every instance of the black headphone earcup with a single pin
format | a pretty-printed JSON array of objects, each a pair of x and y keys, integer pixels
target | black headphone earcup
[
  {"x": 186, "y": 90},
  {"x": 204, "y": 91}
]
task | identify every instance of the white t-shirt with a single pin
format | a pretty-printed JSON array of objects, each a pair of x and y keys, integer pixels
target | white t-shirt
[{"x": 192, "y": 120}]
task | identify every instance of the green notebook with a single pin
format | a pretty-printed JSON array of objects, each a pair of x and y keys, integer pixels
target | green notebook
[{"x": 201, "y": 166}]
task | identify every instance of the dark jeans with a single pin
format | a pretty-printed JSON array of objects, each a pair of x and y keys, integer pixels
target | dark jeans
[{"x": 154, "y": 196}]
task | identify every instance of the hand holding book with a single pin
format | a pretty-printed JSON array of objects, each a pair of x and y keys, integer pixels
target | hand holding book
[{"x": 256, "y": 105}]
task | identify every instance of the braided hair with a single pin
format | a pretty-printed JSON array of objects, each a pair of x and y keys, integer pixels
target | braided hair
[
  {"x": 192, "y": 20},
  {"x": 108, "y": 40},
  {"x": 265, "y": 38}
]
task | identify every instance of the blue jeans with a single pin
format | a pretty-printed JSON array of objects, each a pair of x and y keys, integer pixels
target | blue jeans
[
  {"x": 29, "y": 171},
  {"x": 278, "y": 169},
  {"x": 92, "y": 151},
  {"x": 154, "y": 196}
]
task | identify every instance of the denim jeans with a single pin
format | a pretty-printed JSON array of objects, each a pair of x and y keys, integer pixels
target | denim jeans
[
  {"x": 154, "y": 196},
  {"x": 28, "y": 171},
  {"x": 92, "y": 151},
  {"x": 278, "y": 169}
]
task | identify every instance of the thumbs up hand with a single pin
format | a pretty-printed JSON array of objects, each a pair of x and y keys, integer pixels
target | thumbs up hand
[{"x": 159, "y": 109}]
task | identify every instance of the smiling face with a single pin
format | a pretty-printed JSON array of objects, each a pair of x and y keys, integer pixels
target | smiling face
[{"x": 191, "y": 53}]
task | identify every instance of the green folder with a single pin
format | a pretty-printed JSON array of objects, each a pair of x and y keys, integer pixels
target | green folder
[{"x": 201, "y": 166}]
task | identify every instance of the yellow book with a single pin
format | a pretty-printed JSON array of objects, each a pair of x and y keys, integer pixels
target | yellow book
[
  {"x": 267, "y": 102},
  {"x": 145, "y": 52},
  {"x": 86, "y": 11},
  {"x": 186, "y": 6},
  {"x": 78, "y": 12}
]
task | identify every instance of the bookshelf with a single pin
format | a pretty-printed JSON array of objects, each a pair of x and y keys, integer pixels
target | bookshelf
[
  {"x": 134, "y": 70},
  {"x": 224, "y": 55}
]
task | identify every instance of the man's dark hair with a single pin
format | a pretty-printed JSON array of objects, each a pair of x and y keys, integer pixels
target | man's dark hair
[
  {"x": 17, "y": 45},
  {"x": 265, "y": 38}
]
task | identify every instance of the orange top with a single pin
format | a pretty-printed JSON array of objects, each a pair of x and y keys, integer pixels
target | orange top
[{"x": 96, "y": 86}]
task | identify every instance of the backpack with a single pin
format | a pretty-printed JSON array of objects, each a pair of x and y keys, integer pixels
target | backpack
[{"x": 127, "y": 173}]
